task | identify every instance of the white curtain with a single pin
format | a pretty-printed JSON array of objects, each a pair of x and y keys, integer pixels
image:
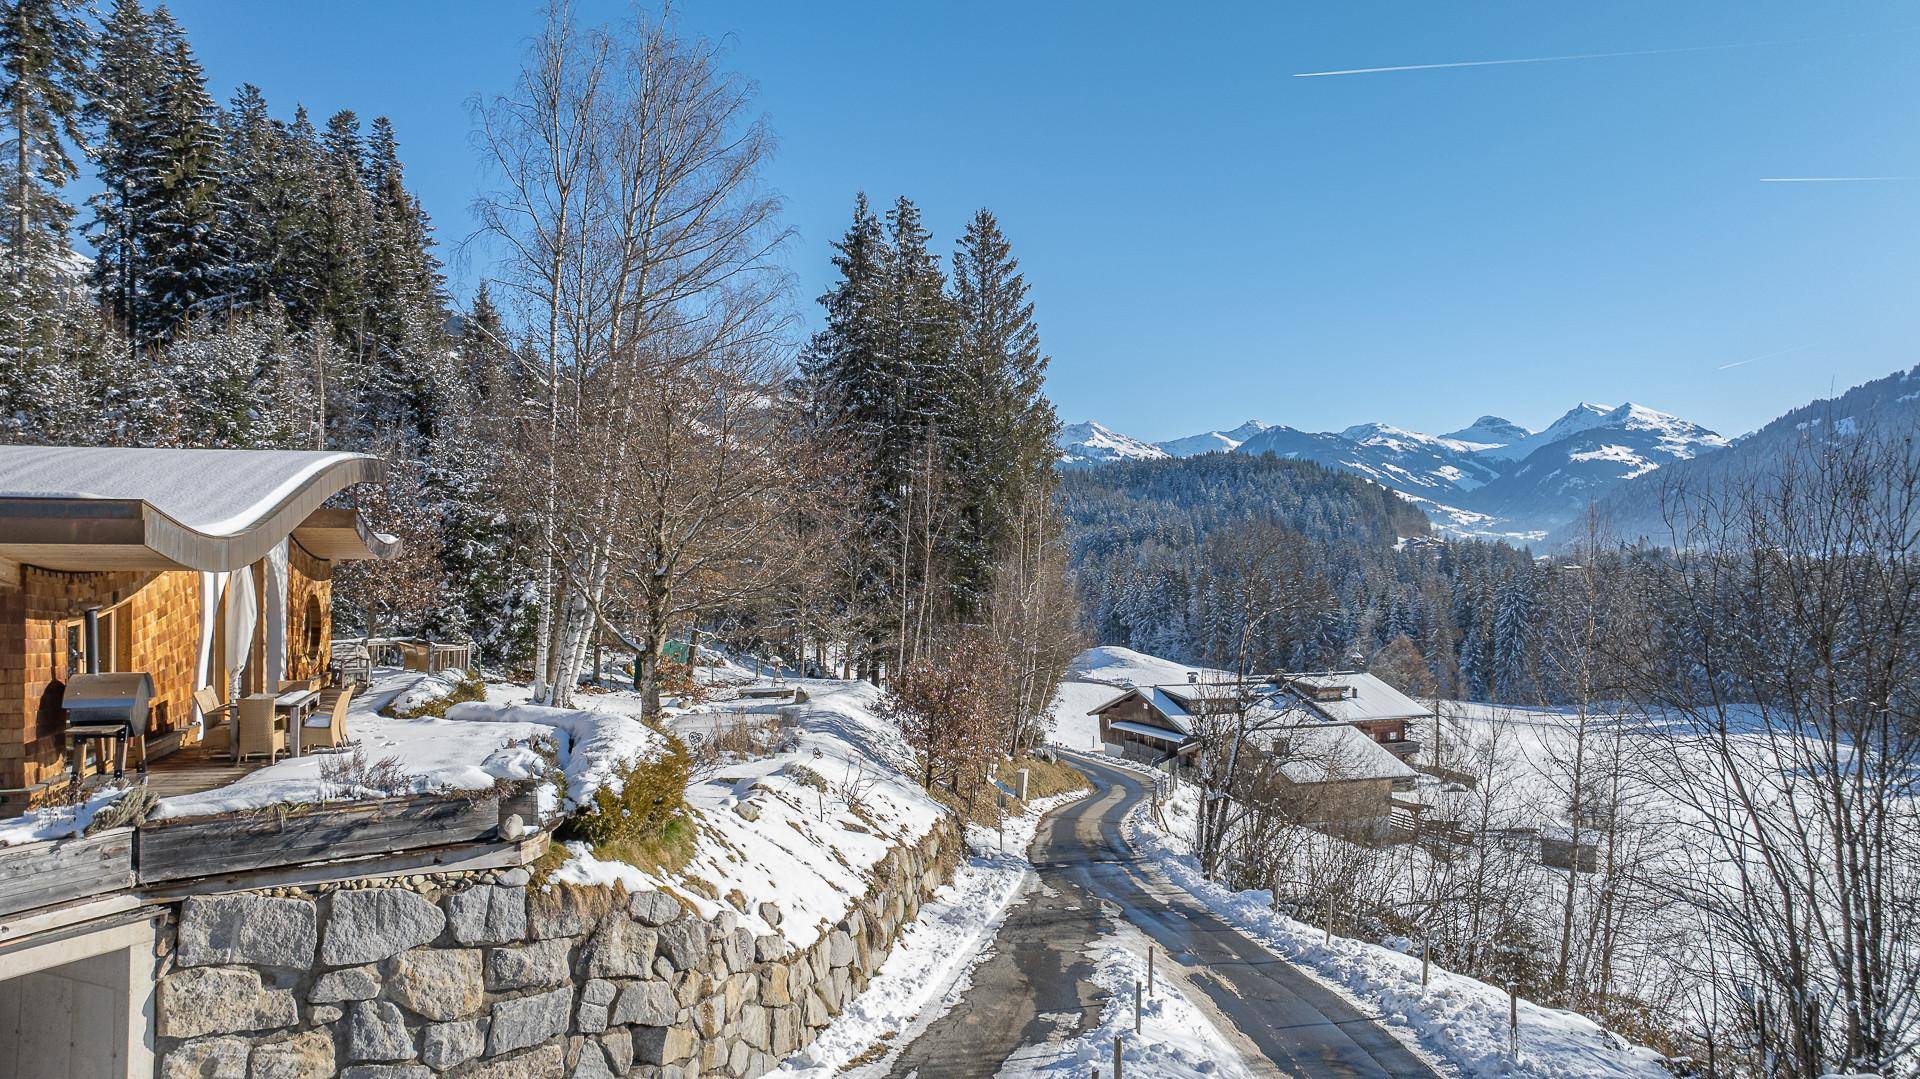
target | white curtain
[
  {"x": 276, "y": 616},
  {"x": 211, "y": 585},
  {"x": 242, "y": 614}
]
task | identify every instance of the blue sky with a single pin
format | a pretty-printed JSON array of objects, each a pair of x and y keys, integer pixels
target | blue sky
[{"x": 1210, "y": 238}]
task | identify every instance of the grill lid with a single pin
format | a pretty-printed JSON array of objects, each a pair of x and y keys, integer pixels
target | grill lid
[{"x": 120, "y": 695}]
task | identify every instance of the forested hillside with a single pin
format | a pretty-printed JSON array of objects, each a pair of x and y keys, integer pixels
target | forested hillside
[{"x": 1228, "y": 560}]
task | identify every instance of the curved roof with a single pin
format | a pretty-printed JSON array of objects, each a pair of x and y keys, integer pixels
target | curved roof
[{"x": 91, "y": 508}]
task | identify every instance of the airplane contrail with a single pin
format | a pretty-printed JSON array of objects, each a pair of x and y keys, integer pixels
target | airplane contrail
[
  {"x": 1527, "y": 60},
  {"x": 1601, "y": 55},
  {"x": 1830, "y": 179},
  {"x": 1768, "y": 356}
]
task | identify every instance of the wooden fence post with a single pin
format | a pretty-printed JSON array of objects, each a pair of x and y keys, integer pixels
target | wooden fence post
[
  {"x": 1136, "y": 1006},
  {"x": 1149, "y": 970},
  {"x": 1426, "y": 949},
  {"x": 1513, "y": 1021},
  {"x": 1116, "y": 1056},
  {"x": 1329, "y": 939}
]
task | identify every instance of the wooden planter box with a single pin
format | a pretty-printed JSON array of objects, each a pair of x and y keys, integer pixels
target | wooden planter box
[
  {"x": 58, "y": 870},
  {"x": 239, "y": 842}
]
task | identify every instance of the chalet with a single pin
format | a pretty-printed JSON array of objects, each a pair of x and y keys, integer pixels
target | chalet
[
  {"x": 182, "y": 570},
  {"x": 1362, "y": 700},
  {"x": 1333, "y": 743}
]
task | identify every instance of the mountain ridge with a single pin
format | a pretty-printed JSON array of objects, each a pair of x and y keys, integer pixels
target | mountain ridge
[{"x": 1491, "y": 478}]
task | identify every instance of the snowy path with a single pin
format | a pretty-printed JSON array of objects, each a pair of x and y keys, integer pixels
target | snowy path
[{"x": 1034, "y": 1002}]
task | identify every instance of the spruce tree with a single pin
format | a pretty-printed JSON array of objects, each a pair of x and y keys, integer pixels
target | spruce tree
[
  {"x": 43, "y": 51},
  {"x": 124, "y": 80},
  {"x": 1004, "y": 425},
  {"x": 181, "y": 251}
]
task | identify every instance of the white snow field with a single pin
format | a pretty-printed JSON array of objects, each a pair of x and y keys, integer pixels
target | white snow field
[
  {"x": 931, "y": 965},
  {"x": 1097, "y": 676}
]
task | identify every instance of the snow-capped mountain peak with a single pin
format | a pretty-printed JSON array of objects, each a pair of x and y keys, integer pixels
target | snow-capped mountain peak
[
  {"x": 1213, "y": 441},
  {"x": 1092, "y": 443},
  {"x": 1489, "y": 431}
]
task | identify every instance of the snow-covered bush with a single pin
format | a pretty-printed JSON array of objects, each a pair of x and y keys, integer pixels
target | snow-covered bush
[{"x": 643, "y": 815}]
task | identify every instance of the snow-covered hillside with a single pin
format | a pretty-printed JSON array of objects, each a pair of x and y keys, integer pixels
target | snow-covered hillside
[{"x": 1092, "y": 444}]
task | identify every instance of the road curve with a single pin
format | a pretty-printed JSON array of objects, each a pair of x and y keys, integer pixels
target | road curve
[{"x": 1034, "y": 987}]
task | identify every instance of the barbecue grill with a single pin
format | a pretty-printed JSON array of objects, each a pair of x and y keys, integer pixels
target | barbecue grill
[{"x": 106, "y": 707}]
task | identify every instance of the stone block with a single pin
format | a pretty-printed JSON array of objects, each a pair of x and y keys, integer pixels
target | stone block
[
  {"x": 770, "y": 913},
  {"x": 621, "y": 949},
  {"x": 221, "y": 1000},
  {"x": 440, "y": 984},
  {"x": 783, "y": 1035},
  {"x": 339, "y": 986},
  {"x": 308, "y": 1055},
  {"x": 646, "y": 1003},
  {"x": 530, "y": 966},
  {"x": 376, "y": 1030},
  {"x": 207, "y": 1058},
  {"x": 447, "y": 1045},
  {"x": 768, "y": 947},
  {"x": 545, "y": 1062},
  {"x": 774, "y": 986},
  {"x": 592, "y": 1063},
  {"x": 653, "y": 909},
  {"x": 662, "y": 1045},
  {"x": 487, "y": 915},
  {"x": 683, "y": 942},
  {"x": 529, "y": 1020},
  {"x": 756, "y": 1025},
  {"x": 618, "y": 1045},
  {"x": 252, "y": 929},
  {"x": 840, "y": 950},
  {"x": 367, "y": 925}
]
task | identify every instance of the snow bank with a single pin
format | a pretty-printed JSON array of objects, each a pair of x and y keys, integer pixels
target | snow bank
[
  {"x": 1457, "y": 1019},
  {"x": 1068, "y": 723},
  {"x": 1176, "y": 1040},
  {"x": 801, "y": 828},
  {"x": 57, "y": 822},
  {"x": 932, "y": 962},
  {"x": 595, "y": 748}
]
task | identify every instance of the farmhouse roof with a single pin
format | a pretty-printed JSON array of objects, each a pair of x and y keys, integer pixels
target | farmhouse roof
[{"x": 1364, "y": 698}]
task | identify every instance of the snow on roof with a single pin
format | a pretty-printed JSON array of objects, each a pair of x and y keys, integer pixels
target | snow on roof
[
  {"x": 1331, "y": 753},
  {"x": 1368, "y": 698},
  {"x": 215, "y": 492}
]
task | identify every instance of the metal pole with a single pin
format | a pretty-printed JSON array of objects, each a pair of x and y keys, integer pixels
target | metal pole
[{"x": 1136, "y": 1005}]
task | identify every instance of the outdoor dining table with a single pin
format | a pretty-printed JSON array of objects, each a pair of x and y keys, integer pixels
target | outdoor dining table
[{"x": 295, "y": 704}]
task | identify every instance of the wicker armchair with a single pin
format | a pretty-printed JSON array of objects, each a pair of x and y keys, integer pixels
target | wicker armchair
[
  {"x": 261, "y": 731},
  {"x": 326, "y": 726}
]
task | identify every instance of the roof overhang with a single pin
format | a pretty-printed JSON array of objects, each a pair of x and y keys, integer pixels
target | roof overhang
[{"x": 82, "y": 534}]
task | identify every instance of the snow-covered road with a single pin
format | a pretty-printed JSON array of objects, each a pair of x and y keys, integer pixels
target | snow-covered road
[{"x": 1043, "y": 1002}]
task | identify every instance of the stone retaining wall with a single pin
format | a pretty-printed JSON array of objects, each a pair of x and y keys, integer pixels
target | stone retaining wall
[{"x": 481, "y": 975}]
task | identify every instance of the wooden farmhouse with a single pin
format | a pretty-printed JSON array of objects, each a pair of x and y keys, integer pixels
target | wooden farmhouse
[
  {"x": 1333, "y": 744},
  {"x": 176, "y": 568}
]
